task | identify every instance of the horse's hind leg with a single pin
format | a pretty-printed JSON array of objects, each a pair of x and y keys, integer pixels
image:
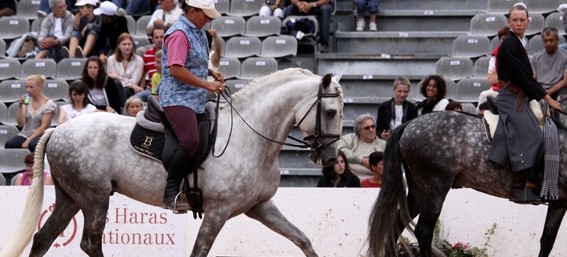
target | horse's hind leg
[
  {"x": 428, "y": 217},
  {"x": 95, "y": 220},
  {"x": 268, "y": 214},
  {"x": 65, "y": 209},
  {"x": 552, "y": 222}
]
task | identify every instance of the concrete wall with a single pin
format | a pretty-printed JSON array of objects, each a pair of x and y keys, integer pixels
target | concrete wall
[{"x": 335, "y": 220}]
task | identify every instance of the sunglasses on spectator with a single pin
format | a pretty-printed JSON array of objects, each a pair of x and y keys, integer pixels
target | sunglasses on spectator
[{"x": 369, "y": 127}]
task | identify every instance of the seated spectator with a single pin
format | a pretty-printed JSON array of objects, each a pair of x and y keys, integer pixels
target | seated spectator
[
  {"x": 272, "y": 7},
  {"x": 376, "y": 160},
  {"x": 165, "y": 16},
  {"x": 55, "y": 31},
  {"x": 79, "y": 103},
  {"x": 112, "y": 24},
  {"x": 104, "y": 93},
  {"x": 434, "y": 91},
  {"x": 359, "y": 145},
  {"x": 150, "y": 58},
  {"x": 85, "y": 31},
  {"x": 125, "y": 66},
  {"x": 8, "y": 8},
  {"x": 338, "y": 175},
  {"x": 395, "y": 111},
  {"x": 35, "y": 111},
  {"x": 363, "y": 6},
  {"x": 25, "y": 178},
  {"x": 492, "y": 75},
  {"x": 133, "y": 106},
  {"x": 135, "y": 8},
  {"x": 454, "y": 106},
  {"x": 320, "y": 8},
  {"x": 550, "y": 64},
  {"x": 156, "y": 78}
]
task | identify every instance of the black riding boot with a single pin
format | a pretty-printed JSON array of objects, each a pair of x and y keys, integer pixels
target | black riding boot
[
  {"x": 522, "y": 190},
  {"x": 178, "y": 167}
]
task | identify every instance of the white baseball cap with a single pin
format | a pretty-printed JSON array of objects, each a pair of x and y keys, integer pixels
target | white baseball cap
[
  {"x": 106, "y": 8},
  {"x": 208, "y": 7},
  {"x": 85, "y": 2}
]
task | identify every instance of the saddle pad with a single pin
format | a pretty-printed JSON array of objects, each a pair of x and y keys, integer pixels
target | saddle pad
[
  {"x": 491, "y": 119},
  {"x": 147, "y": 142}
]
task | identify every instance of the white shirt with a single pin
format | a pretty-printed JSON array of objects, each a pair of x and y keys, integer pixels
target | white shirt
[
  {"x": 397, "y": 118},
  {"x": 170, "y": 17},
  {"x": 72, "y": 113}
]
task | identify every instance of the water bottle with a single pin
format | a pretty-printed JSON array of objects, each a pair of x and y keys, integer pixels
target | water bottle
[{"x": 27, "y": 99}]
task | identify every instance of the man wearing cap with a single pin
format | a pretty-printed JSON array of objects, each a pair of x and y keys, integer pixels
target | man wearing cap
[
  {"x": 183, "y": 89},
  {"x": 84, "y": 31}
]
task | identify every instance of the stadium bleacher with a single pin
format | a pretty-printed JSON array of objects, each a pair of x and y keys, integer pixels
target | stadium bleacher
[{"x": 414, "y": 39}]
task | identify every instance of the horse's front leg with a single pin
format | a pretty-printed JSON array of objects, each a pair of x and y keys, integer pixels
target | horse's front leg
[
  {"x": 269, "y": 215},
  {"x": 552, "y": 222},
  {"x": 212, "y": 224}
]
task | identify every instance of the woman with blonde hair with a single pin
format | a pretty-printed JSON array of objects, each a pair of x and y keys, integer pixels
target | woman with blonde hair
[{"x": 35, "y": 111}]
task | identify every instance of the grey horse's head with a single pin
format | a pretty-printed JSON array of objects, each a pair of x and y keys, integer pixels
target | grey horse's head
[{"x": 322, "y": 121}]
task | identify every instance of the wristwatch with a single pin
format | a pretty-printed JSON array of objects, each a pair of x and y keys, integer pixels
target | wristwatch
[{"x": 314, "y": 4}]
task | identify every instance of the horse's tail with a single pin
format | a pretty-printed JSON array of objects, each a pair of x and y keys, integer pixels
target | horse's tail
[
  {"x": 23, "y": 234},
  {"x": 390, "y": 213}
]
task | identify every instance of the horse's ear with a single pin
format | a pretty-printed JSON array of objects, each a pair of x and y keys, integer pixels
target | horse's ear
[
  {"x": 326, "y": 80},
  {"x": 337, "y": 78}
]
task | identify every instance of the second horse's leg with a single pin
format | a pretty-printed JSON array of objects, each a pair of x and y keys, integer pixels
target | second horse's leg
[{"x": 268, "y": 214}]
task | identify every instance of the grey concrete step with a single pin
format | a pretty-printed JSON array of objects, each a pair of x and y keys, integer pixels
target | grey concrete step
[
  {"x": 434, "y": 4},
  {"x": 401, "y": 42},
  {"x": 377, "y": 64}
]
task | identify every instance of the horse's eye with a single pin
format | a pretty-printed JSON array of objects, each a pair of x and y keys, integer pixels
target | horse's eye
[{"x": 331, "y": 113}]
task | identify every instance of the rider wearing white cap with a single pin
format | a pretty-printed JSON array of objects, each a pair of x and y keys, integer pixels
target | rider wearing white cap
[{"x": 183, "y": 89}]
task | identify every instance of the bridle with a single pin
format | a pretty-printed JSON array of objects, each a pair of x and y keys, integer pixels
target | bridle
[
  {"x": 311, "y": 141},
  {"x": 316, "y": 137}
]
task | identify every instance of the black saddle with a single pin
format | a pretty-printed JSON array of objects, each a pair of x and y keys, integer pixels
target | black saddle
[{"x": 167, "y": 142}]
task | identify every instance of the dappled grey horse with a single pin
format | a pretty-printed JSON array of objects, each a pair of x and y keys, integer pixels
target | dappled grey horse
[
  {"x": 440, "y": 151},
  {"x": 91, "y": 157}
]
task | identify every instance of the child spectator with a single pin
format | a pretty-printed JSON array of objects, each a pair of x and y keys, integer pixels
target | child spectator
[
  {"x": 157, "y": 75},
  {"x": 25, "y": 178},
  {"x": 454, "y": 106},
  {"x": 376, "y": 160}
]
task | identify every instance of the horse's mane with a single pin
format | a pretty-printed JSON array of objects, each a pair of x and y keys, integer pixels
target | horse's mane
[{"x": 278, "y": 74}]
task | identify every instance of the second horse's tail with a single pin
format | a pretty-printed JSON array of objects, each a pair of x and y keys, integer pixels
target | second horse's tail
[
  {"x": 390, "y": 213},
  {"x": 23, "y": 234}
]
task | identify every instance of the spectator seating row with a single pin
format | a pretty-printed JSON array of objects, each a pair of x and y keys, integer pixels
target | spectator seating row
[
  {"x": 66, "y": 69},
  {"x": 11, "y": 90},
  {"x": 250, "y": 68},
  {"x": 246, "y": 46},
  {"x": 488, "y": 24},
  {"x": 534, "y": 6},
  {"x": 475, "y": 46}
]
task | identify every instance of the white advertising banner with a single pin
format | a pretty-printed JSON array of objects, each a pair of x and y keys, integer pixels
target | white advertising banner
[
  {"x": 132, "y": 228},
  {"x": 335, "y": 220}
]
